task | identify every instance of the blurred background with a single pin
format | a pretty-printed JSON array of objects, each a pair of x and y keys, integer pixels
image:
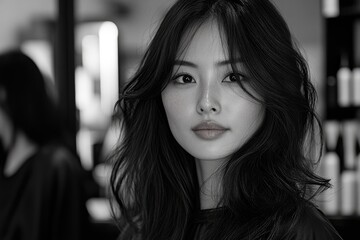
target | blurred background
[{"x": 89, "y": 48}]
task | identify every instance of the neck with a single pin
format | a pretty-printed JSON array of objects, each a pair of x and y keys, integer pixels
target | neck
[
  {"x": 209, "y": 177},
  {"x": 22, "y": 149}
]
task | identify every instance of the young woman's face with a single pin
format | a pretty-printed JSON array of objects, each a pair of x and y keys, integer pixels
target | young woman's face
[{"x": 209, "y": 114}]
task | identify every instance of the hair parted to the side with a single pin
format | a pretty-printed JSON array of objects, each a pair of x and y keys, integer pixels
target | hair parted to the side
[{"x": 154, "y": 179}]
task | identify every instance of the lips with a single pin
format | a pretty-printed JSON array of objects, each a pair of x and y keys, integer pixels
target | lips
[{"x": 209, "y": 130}]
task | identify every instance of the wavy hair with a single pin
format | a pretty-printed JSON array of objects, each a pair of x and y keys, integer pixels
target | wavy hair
[{"x": 154, "y": 179}]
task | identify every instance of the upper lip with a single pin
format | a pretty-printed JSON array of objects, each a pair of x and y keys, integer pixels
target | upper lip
[{"x": 208, "y": 125}]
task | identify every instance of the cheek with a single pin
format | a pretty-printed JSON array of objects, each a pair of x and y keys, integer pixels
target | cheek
[
  {"x": 177, "y": 109},
  {"x": 250, "y": 117}
]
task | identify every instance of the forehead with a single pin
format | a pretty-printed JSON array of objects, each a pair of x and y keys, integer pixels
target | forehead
[{"x": 204, "y": 41}]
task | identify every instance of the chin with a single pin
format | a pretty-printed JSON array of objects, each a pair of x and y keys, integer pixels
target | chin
[{"x": 209, "y": 155}]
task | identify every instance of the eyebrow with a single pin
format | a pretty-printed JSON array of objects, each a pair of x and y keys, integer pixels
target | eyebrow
[
  {"x": 193, "y": 65},
  {"x": 185, "y": 63}
]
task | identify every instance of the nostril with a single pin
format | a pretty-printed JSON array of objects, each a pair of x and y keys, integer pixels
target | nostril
[{"x": 208, "y": 108}]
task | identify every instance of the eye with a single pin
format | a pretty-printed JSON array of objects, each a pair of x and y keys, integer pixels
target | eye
[
  {"x": 183, "y": 79},
  {"x": 234, "y": 77}
]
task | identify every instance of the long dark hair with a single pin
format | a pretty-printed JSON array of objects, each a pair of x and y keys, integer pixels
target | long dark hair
[
  {"x": 28, "y": 102},
  {"x": 153, "y": 177}
]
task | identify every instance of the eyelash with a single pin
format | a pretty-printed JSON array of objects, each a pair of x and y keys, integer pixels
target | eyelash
[
  {"x": 236, "y": 74},
  {"x": 177, "y": 76}
]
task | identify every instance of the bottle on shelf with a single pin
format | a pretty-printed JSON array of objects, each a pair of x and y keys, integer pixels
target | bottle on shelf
[
  {"x": 348, "y": 200},
  {"x": 356, "y": 87},
  {"x": 331, "y": 170},
  {"x": 349, "y": 138},
  {"x": 358, "y": 184},
  {"x": 330, "y": 8},
  {"x": 331, "y": 133},
  {"x": 343, "y": 77}
]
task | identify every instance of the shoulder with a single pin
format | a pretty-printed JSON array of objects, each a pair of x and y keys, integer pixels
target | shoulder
[{"x": 314, "y": 225}]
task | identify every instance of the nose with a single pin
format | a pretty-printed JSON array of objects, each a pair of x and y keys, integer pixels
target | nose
[{"x": 208, "y": 101}]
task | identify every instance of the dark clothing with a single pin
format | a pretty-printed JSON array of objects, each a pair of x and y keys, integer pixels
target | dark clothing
[
  {"x": 44, "y": 199},
  {"x": 313, "y": 225}
]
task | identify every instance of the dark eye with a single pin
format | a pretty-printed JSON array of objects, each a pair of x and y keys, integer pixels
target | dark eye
[
  {"x": 183, "y": 79},
  {"x": 234, "y": 77}
]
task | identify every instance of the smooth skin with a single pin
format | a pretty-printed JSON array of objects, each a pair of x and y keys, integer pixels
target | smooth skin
[{"x": 204, "y": 89}]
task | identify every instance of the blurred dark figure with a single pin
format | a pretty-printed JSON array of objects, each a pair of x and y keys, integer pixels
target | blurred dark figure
[{"x": 41, "y": 179}]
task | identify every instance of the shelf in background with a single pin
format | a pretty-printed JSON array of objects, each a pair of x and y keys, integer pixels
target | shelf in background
[{"x": 343, "y": 113}]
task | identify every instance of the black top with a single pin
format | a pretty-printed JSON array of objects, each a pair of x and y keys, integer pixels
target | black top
[
  {"x": 44, "y": 199},
  {"x": 313, "y": 225}
]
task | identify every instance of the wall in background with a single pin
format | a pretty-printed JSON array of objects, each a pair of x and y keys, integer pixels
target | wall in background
[{"x": 17, "y": 14}]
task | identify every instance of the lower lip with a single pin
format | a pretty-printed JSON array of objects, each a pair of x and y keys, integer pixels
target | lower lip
[{"x": 210, "y": 134}]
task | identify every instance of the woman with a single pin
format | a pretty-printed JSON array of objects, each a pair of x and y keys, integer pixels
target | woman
[
  {"x": 41, "y": 180},
  {"x": 217, "y": 121}
]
